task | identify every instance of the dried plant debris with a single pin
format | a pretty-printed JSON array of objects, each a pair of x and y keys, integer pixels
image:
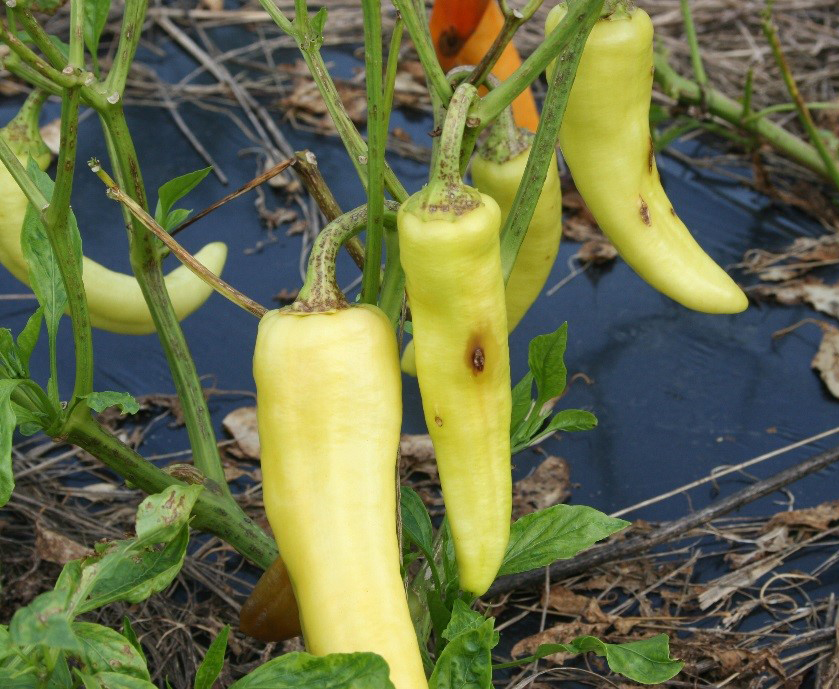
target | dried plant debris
[
  {"x": 826, "y": 359},
  {"x": 741, "y": 606}
]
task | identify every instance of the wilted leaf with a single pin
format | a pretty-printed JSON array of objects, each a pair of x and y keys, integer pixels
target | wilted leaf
[
  {"x": 53, "y": 546},
  {"x": 549, "y": 484},
  {"x": 242, "y": 427}
]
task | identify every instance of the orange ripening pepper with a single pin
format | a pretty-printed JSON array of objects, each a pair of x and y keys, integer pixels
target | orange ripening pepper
[{"x": 463, "y": 31}]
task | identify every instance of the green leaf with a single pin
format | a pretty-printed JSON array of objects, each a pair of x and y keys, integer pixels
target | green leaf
[
  {"x": 61, "y": 677},
  {"x": 466, "y": 662},
  {"x": 8, "y": 419},
  {"x": 46, "y": 621},
  {"x": 571, "y": 420},
  {"x": 135, "y": 571},
  {"x": 99, "y": 401},
  {"x": 522, "y": 402},
  {"x": 555, "y": 533},
  {"x": 416, "y": 524},
  {"x": 9, "y": 355},
  {"x": 175, "y": 218},
  {"x": 44, "y": 275},
  {"x": 451, "y": 578},
  {"x": 28, "y": 337},
  {"x": 174, "y": 190},
  {"x": 7, "y": 648},
  {"x": 463, "y": 619},
  {"x": 545, "y": 358},
  {"x": 336, "y": 671},
  {"x": 647, "y": 661},
  {"x": 106, "y": 650},
  {"x": 319, "y": 22},
  {"x": 95, "y": 18},
  {"x": 163, "y": 514},
  {"x": 115, "y": 680},
  {"x": 213, "y": 662},
  {"x": 12, "y": 679},
  {"x": 128, "y": 633}
]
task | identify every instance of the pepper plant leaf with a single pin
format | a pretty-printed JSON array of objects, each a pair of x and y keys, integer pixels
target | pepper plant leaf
[
  {"x": 173, "y": 191},
  {"x": 28, "y": 338},
  {"x": 104, "y": 650},
  {"x": 99, "y": 401},
  {"x": 466, "y": 661},
  {"x": 646, "y": 661},
  {"x": 555, "y": 533},
  {"x": 545, "y": 357},
  {"x": 416, "y": 524},
  {"x": 8, "y": 419},
  {"x": 211, "y": 666},
  {"x": 336, "y": 671},
  {"x": 95, "y": 18}
]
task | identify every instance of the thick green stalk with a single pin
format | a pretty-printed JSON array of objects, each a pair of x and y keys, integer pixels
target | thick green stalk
[
  {"x": 320, "y": 291},
  {"x": 214, "y": 512},
  {"x": 309, "y": 43},
  {"x": 576, "y": 26},
  {"x": 804, "y": 116},
  {"x": 416, "y": 23},
  {"x": 134, "y": 14},
  {"x": 56, "y": 223},
  {"x": 446, "y": 194},
  {"x": 376, "y": 145},
  {"x": 728, "y": 109},
  {"x": 581, "y": 13},
  {"x": 145, "y": 262}
]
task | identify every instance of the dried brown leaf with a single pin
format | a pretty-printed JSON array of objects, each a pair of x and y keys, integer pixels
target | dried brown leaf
[
  {"x": 560, "y": 634},
  {"x": 242, "y": 427},
  {"x": 549, "y": 484},
  {"x": 815, "y": 518},
  {"x": 826, "y": 360},
  {"x": 53, "y": 546}
]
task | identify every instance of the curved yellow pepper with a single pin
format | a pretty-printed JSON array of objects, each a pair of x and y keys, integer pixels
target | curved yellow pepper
[
  {"x": 115, "y": 300},
  {"x": 500, "y": 178},
  {"x": 329, "y": 413},
  {"x": 456, "y": 290},
  {"x": 605, "y": 139}
]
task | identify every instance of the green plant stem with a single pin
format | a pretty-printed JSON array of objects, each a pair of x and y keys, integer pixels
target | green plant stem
[
  {"x": 306, "y": 166},
  {"x": 513, "y": 19},
  {"x": 37, "y": 64},
  {"x": 145, "y": 262},
  {"x": 577, "y": 25},
  {"x": 92, "y": 92},
  {"x": 693, "y": 44},
  {"x": 56, "y": 223},
  {"x": 581, "y": 13},
  {"x": 728, "y": 109},
  {"x": 224, "y": 288},
  {"x": 320, "y": 291},
  {"x": 787, "y": 107},
  {"x": 309, "y": 42},
  {"x": 376, "y": 144},
  {"x": 393, "y": 63},
  {"x": 806, "y": 119},
  {"x": 76, "y": 52},
  {"x": 746, "y": 112},
  {"x": 416, "y": 22},
  {"x": 134, "y": 14},
  {"x": 215, "y": 513}
]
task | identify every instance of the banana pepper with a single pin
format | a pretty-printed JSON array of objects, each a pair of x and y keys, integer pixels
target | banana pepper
[
  {"x": 605, "y": 139},
  {"x": 115, "y": 300}
]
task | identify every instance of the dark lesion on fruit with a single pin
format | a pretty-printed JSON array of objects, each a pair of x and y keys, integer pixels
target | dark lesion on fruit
[
  {"x": 476, "y": 352},
  {"x": 672, "y": 212},
  {"x": 450, "y": 42},
  {"x": 651, "y": 157},
  {"x": 438, "y": 420},
  {"x": 645, "y": 212}
]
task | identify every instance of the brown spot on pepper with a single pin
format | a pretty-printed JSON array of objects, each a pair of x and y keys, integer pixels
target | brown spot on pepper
[
  {"x": 438, "y": 420},
  {"x": 651, "y": 157},
  {"x": 672, "y": 212},
  {"x": 478, "y": 360},
  {"x": 450, "y": 42},
  {"x": 645, "y": 212}
]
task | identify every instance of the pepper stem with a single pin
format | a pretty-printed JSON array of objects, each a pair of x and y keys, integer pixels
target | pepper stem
[
  {"x": 506, "y": 140},
  {"x": 320, "y": 292},
  {"x": 446, "y": 194},
  {"x": 22, "y": 131}
]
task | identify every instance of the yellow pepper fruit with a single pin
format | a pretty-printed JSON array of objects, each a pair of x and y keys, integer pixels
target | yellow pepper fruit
[
  {"x": 497, "y": 171},
  {"x": 605, "y": 139},
  {"x": 329, "y": 410},
  {"x": 449, "y": 250},
  {"x": 115, "y": 300}
]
